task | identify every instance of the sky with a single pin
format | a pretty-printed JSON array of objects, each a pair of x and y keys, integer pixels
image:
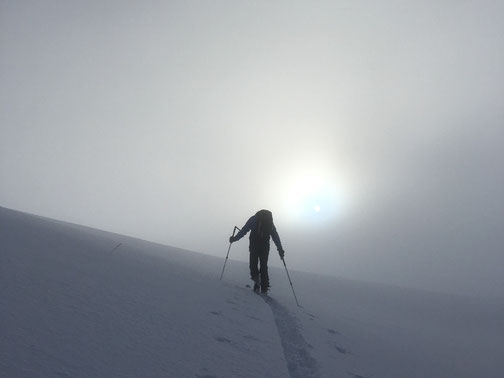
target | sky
[{"x": 371, "y": 130}]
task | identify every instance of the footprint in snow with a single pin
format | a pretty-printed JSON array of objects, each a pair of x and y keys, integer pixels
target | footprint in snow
[
  {"x": 250, "y": 337},
  {"x": 333, "y": 331},
  {"x": 341, "y": 350},
  {"x": 205, "y": 375},
  {"x": 352, "y": 375},
  {"x": 221, "y": 339},
  {"x": 215, "y": 312}
]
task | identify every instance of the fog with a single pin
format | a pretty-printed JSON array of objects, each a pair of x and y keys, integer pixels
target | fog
[{"x": 371, "y": 130}]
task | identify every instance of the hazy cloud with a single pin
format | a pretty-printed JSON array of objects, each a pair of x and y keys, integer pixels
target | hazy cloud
[{"x": 175, "y": 121}]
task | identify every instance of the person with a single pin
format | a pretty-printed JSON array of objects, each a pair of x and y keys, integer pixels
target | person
[{"x": 261, "y": 227}]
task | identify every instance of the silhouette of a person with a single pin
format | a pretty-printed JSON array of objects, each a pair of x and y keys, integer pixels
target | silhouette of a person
[{"x": 261, "y": 227}]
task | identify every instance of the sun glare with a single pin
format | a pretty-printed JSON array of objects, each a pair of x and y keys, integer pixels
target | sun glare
[{"x": 312, "y": 196}]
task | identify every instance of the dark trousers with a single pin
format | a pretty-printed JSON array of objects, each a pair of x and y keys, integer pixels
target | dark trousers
[{"x": 259, "y": 255}]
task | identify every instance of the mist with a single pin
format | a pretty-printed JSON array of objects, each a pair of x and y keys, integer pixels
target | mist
[{"x": 371, "y": 131}]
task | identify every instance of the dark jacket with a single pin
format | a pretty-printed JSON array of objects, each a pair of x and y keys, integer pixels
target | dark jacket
[{"x": 255, "y": 242}]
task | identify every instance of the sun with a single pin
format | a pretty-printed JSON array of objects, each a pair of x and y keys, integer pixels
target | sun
[{"x": 313, "y": 196}]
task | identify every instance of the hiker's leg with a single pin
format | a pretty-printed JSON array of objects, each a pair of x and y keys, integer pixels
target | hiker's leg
[
  {"x": 253, "y": 259},
  {"x": 263, "y": 258}
]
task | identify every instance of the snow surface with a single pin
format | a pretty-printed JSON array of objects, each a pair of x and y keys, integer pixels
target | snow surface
[{"x": 79, "y": 302}]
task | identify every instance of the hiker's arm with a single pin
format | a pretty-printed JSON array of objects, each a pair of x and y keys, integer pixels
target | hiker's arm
[
  {"x": 276, "y": 239},
  {"x": 244, "y": 230}
]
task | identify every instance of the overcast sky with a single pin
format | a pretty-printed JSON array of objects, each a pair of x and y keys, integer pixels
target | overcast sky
[{"x": 372, "y": 130}]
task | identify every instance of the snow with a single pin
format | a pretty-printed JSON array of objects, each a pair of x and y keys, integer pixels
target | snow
[{"x": 79, "y": 302}]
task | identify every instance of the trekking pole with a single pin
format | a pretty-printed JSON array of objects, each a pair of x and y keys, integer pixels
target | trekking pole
[
  {"x": 225, "y": 261},
  {"x": 292, "y": 287}
]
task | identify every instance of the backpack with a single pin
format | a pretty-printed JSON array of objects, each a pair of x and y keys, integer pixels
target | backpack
[{"x": 264, "y": 225}]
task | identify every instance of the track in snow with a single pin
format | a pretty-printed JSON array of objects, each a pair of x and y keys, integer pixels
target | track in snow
[{"x": 296, "y": 350}]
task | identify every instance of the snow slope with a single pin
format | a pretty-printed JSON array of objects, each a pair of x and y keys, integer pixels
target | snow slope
[{"x": 79, "y": 302}]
